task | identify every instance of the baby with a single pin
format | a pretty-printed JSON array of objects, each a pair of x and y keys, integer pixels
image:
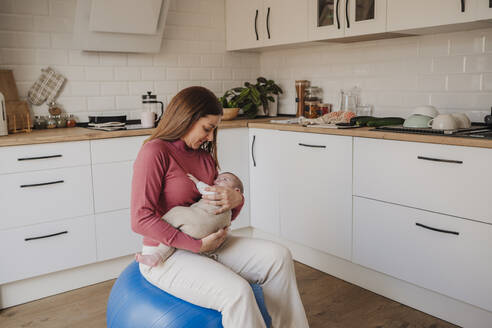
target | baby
[{"x": 197, "y": 221}]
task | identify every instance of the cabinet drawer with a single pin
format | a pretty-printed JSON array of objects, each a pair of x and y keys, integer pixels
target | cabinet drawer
[
  {"x": 47, "y": 247},
  {"x": 453, "y": 180},
  {"x": 44, "y": 156},
  {"x": 41, "y": 196},
  {"x": 400, "y": 242},
  {"x": 116, "y": 149},
  {"x": 114, "y": 235},
  {"x": 112, "y": 186},
  {"x": 315, "y": 191}
]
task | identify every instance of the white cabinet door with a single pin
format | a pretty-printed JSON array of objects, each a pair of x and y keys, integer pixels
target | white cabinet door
[
  {"x": 232, "y": 151},
  {"x": 483, "y": 9},
  {"x": 114, "y": 235},
  {"x": 331, "y": 19},
  {"x": 264, "y": 164},
  {"x": 245, "y": 24},
  {"x": 446, "y": 254},
  {"x": 315, "y": 191},
  {"x": 112, "y": 185},
  {"x": 404, "y": 14},
  {"x": 365, "y": 17},
  {"x": 286, "y": 21}
]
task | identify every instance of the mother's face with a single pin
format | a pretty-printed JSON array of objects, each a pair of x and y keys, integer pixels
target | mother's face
[{"x": 201, "y": 131}]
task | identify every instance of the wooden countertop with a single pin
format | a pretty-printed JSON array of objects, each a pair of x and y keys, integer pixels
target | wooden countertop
[
  {"x": 78, "y": 134},
  {"x": 367, "y": 133}
]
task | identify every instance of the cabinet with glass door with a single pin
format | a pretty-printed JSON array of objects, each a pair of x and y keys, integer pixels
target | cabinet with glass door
[{"x": 330, "y": 19}]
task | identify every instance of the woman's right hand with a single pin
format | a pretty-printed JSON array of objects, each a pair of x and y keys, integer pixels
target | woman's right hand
[{"x": 213, "y": 241}]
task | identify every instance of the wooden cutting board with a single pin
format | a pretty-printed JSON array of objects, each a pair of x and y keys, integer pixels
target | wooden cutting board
[{"x": 7, "y": 85}]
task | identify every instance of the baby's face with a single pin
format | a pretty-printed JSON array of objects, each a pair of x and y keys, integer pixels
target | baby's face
[{"x": 226, "y": 180}]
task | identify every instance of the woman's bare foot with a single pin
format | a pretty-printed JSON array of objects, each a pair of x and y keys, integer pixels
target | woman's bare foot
[{"x": 151, "y": 260}]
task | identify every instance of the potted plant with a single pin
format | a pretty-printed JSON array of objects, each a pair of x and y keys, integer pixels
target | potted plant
[
  {"x": 252, "y": 97},
  {"x": 269, "y": 92}
]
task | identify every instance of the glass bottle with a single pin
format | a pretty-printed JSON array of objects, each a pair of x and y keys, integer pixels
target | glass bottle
[
  {"x": 71, "y": 121},
  {"x": 39, "y": 122},
  {"x": 51, "y": 122},
  {"x": 61, "y": 121}
]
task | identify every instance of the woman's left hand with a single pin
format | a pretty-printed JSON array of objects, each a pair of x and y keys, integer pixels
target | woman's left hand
[{"x": 226, "y": 198}]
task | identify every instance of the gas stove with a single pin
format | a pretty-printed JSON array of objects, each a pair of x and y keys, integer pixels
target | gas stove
[{"x": 477, "y": 130}]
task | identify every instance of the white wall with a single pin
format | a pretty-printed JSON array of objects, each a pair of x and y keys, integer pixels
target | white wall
[
  {"x": 38, "y": 33},
  {"x": 451, "y": 71}
]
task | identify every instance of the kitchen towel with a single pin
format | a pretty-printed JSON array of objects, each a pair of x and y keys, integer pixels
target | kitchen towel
[{"x": 46, "y": 87}]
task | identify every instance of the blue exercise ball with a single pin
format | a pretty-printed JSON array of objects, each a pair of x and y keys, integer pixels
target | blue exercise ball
[{"x": 134, "y": 302}]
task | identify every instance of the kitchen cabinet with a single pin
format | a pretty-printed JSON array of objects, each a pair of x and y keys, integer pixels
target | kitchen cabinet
[
  {"x": 405, "y": 15},
  {"x": 259, "y": 23},
  {"x": 445, "y": 254},
  {"x": 332, "y": 19},
  {"x": 439, "y": 178},
  {"x": 315, "y": 191},
  {"x": 264, "y": 165},
  {"x": 233, "y": 155},
  {"x": 483, "y": 9}
]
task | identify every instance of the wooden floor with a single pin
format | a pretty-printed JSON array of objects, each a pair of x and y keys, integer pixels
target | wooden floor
[{"x": 329, "y": 303}]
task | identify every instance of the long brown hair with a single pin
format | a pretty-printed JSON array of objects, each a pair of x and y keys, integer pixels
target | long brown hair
[{"x": 187, "y": 107}]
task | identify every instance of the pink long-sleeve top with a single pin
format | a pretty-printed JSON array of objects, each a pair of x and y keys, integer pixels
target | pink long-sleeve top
[{"x": 160, "y": 183}]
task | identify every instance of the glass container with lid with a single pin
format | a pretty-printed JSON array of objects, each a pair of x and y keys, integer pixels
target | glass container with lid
[{"x": 313, "y": 94}]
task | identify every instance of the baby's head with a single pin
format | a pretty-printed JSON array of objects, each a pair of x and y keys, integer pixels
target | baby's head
[{"x": 228, "y": 179}]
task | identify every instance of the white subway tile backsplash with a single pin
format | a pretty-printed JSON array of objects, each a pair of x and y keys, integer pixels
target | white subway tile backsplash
[
  {"x": 214, "y": 86},
  {"x": 452, "y": 64},
  {"x": 189, "y": 60},
  {"x": 34, "y": 7},
  {"x": 72, "y": 104},
  {"x": 464, "y": 82},
  {"x": 187, "y": 84},
  {"x": 26, "y": 73},
  {"x": 114, "y": 88},
  {"x": 178, "y": 74},
  {"x": 165, "y": 59},
  {"x": 188, "y": 19},
  {"x": 32, "y": 40},
  {"x": 128, "y": 102},
  {"x": 51, "y": 56},
  {"x": 78, "y": 57},
  {"x": 432, "y": 82},
  {"x": 241, "y": 73},
  {"x": 117, "y": 59},
  {"x": 18, "y": 56},
  {"x": 433, "y": 46},
  {"x": 52, "y": 24},
  {"x": 72, "y": 73},
  {"x": 85, "y": 88},
  {"x": 99, "y": 73},
  {"x": 100, "y": 103},
  {"x": 7, "y": 6},
  {"x": 140, "y": 60},
  {"x": 487, "y": 82},
  {"x": 62, "y": 8},
  {"x": 8, "y": 40},
  {"x": 201, "y": 74},
  {"x": 61, "y": 40},
  {"x": 16, "y": 22},
  {"x": 213, "y": 60},
  {"x": 153, "y": 73},
  {"x": 480, "y": 63},
  {"x": 141, "y": 87},
  {"x": 466, "y": 43},
  {"x": 127, "y": 73},
  {"x": 166, "y": 87},
  {"x": 222, "y": 73}
]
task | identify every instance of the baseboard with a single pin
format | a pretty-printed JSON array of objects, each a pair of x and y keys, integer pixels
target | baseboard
[
  {"x": 23, "y": 291},
  {"x": 443, "y": 307}
]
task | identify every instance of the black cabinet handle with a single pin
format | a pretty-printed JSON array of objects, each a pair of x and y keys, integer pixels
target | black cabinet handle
[
  {"x": 462, "y": 6},
  {"x": 338, "y": 14},
  {"x": 38, "y": 157},
  {"x": 41, "y": 184},
  {"x": 256, "y": 24},
  {"x": 268, "y": 22},
  {"x": 346, "y": 13},
  {"x": 312, "y": 146},
  {"x": 253, "y": 151},
  {"x": 440, "y": 160},
  {"x": 436, "y": 229},
  {"x": 46, "y": 236}
]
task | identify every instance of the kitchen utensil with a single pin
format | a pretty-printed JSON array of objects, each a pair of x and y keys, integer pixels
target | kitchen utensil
[
  {"x": 462, "y": 120},
  {"x": 426, "y": 110},
  {"x": 18, "y": 116},
  {"x": 150, "y": 104},
  {"x": 3, "y": 117},
  {"x": 417, "y": 121},
  {"x": 348, "y": 102},
  {"x": 443, "y": 122},
  {"x": 488, "y": 119},
  {"x": 301, "y": 86},
  {"x": 8, "y": 86}
]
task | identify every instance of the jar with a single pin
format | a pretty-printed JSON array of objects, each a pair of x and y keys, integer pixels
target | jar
[
  {"x": 313, "y": 94},
  {"x": 51, "y": 122},
  {"x": 363, "y": 110},
  {"x": 311, "y": 109},
  {"x": 39, "y": 122},
  {"x": 71, "y": 121},
  {"x": 325, "y": 109},
  {"x": 61, "y": 121}
]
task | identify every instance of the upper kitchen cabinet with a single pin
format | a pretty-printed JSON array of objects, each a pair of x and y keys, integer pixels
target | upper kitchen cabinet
[
  {"x": 333, "y": 19},
  {"x": 417, "y": 14},
  {"x": 260, "y": 23},
  {"x": 483, "y": 9}
]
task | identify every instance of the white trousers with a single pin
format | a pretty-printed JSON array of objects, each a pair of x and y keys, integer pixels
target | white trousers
[{"x": 222, "y": 284}]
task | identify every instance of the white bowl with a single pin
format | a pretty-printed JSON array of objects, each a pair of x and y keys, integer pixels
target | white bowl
[{"x": 426, "y": 110}]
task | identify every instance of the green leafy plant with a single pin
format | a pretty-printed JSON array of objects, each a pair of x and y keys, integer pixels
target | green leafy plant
[{"x": 251, "y": 96}]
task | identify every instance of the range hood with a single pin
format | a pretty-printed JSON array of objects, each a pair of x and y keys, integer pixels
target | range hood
[{"x": 120, "y": 25}]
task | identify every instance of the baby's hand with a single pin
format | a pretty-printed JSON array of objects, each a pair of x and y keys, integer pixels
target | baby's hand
[{"x": 192, "y": 178}]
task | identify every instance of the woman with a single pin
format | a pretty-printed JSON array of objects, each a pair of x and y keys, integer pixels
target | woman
[{"x": 185, "y": 141}]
